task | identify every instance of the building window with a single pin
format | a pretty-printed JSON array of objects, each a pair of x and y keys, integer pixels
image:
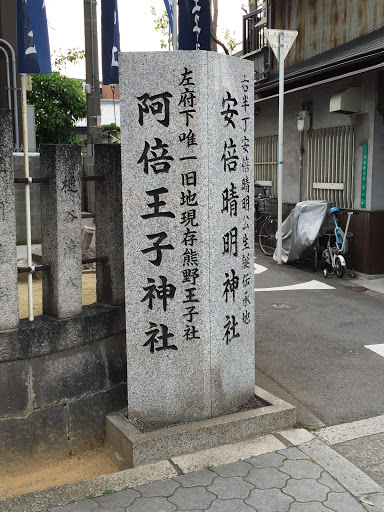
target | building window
[
  {"x": 266, "y": 163},
  {"x": 330, "y": 165}
]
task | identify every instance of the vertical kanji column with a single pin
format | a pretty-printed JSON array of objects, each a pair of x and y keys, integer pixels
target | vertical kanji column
[
  {"x": 231, "y": 191},
  {"x": 9, "y": 305},
  {"x": 61, "y": 230},
  {"x": 188, "y": 233},
  {"x": 109, "y": 225}
]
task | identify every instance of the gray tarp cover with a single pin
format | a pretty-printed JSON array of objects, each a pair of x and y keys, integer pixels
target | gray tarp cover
[{"x": 307, "y": 221}]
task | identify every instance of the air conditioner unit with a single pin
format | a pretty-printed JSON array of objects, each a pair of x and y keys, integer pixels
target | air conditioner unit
[{"x": 348, "y": 101}]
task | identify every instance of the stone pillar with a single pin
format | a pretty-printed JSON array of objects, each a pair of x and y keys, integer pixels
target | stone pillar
[
  {"x": 61, "y": 230},
  {"x": 109, "y": 225},
  {"x": 187, "y": 164},
  {"x": 9, "y": 302}
]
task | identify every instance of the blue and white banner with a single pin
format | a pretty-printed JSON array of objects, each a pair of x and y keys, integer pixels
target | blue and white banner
[
  {"x": 169, "y": 7},
  {"x": 110, "y": 40},
  {"x": 32, "y": 37},
  {"x": 194, "y": 25}
]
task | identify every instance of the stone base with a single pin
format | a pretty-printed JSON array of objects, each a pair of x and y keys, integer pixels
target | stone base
[{"x": 129, "y": 447}]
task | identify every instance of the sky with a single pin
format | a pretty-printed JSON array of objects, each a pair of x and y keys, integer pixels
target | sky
[{"x": 137, "y": 28}]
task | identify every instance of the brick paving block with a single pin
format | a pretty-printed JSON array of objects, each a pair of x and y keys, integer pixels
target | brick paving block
[
  {"x": 270, "y": 500},
  {"x": 199, "y": 497},
  {"x": 306, "y": 490},
  {"x": 239, "y": 468},
  {"x": 151, "y": 505},
  {"x": 162, "y": 488},
  {"x": 230, "y": 506},
  {"x": 80, "y": 506},
  {"x": 267, "y": 460},
  {"x": 118, "y": 509},
  {"x": 331, "y": 483},
  {"x": 301, "y": 469},
  {"x": 308, "y": 507},
  {"x": 293, "y": 454},
  {"x": 377, "y": 499},
  {"x": 203, "y": 477},
  {"x": 267, "y": 478},
  {"x": 229, "y": 488},
  {"x": 297, "y": 436},
  {"x": 118, "y": 499},
  {"x": 342, "y": 501}
]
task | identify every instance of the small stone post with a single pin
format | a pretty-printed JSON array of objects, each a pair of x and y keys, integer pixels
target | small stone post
[
  {"x": 61, "y": 230},
  {"x": 9, "y": 305},
  {"x": 109, "y": 225}
]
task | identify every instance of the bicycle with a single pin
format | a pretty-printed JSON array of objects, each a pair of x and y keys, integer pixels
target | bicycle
[
  {"x": 265, "y": 223},
  {"x": 337, "y": 247}
]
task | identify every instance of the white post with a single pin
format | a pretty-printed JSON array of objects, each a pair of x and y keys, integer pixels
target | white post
[
  {"x": 175, "y": 20},
  {"x": 280, "y": 150},
  {"x": 24, "y": 79},
  {"x": 281, "y": 42}
]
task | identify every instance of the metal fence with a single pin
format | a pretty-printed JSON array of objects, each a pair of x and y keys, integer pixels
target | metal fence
[
  {"x": 266, "y": 163},
  {"x": 253, "y": 35},
  {"x": 330, "y": 165}
]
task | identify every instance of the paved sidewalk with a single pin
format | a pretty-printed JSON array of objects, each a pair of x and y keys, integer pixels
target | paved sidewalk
[{"x": 294, "y": 471}]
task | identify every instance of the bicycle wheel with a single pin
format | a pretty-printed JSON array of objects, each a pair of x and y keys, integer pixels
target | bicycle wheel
[
  {"x": 339, "y": 268},
  {"x": 267, "y": 236}
]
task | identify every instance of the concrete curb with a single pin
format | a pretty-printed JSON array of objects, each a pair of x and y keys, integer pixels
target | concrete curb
[
  {"x": 130, "y": 448},
  {"x": 348, "y": 475},
  {"x": 354, "y": 430},
  {"x": 78, "y": 491}
]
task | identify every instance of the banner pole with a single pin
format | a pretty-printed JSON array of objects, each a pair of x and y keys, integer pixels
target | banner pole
[
  {"x": 280, "y": 151},
  {"x": 24, "y": 79},
  {"x": 175, "y": 23}
]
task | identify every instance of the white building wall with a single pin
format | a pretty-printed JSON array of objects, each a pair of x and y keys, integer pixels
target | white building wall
[{"x": 369, "y": 129}]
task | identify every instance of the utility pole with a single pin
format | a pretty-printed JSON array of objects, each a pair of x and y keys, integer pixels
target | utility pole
[
  {"x": 281, "y": 42},
  {"x": 92, "y": 76}
]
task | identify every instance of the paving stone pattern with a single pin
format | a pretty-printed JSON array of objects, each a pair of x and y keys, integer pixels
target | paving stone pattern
[{"x": 285, "y": 481}]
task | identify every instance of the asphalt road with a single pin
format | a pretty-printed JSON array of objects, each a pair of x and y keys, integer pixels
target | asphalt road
[{"x": 311, "y": 342}]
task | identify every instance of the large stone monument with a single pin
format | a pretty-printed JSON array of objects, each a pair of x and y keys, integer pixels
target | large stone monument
[{"x": 187, "y": 179}]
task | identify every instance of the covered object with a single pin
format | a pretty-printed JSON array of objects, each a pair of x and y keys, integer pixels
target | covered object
[{"x": 307, "y": 221}]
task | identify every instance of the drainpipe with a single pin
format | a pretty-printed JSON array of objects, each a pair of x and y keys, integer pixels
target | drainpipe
[
  {"x": 175, "y": 25},
  {"x": 8, "y": 78},
  {"x": 301, "y": 163},
  {"x": 14, "y": 92}
]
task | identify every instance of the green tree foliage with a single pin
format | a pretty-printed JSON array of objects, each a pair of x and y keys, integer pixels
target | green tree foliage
[
  {"x": 59, "y": 102},
  {"x": 64, "y": 57},
  {"x": 112, "y": 131},
  {"x": 162, "y": 24},
  {"x": 230, "y": 40}
]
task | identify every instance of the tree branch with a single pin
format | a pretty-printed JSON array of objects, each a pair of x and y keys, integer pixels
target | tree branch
[{"x": 220, "y": 43}]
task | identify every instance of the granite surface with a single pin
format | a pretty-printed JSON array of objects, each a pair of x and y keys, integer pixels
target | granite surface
[
  {"x": 61, "y": 230},
  {"x": 9, "y": 304},
  {"x": 109, "y": 222},
  {"x": 186, "y": 180}
]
